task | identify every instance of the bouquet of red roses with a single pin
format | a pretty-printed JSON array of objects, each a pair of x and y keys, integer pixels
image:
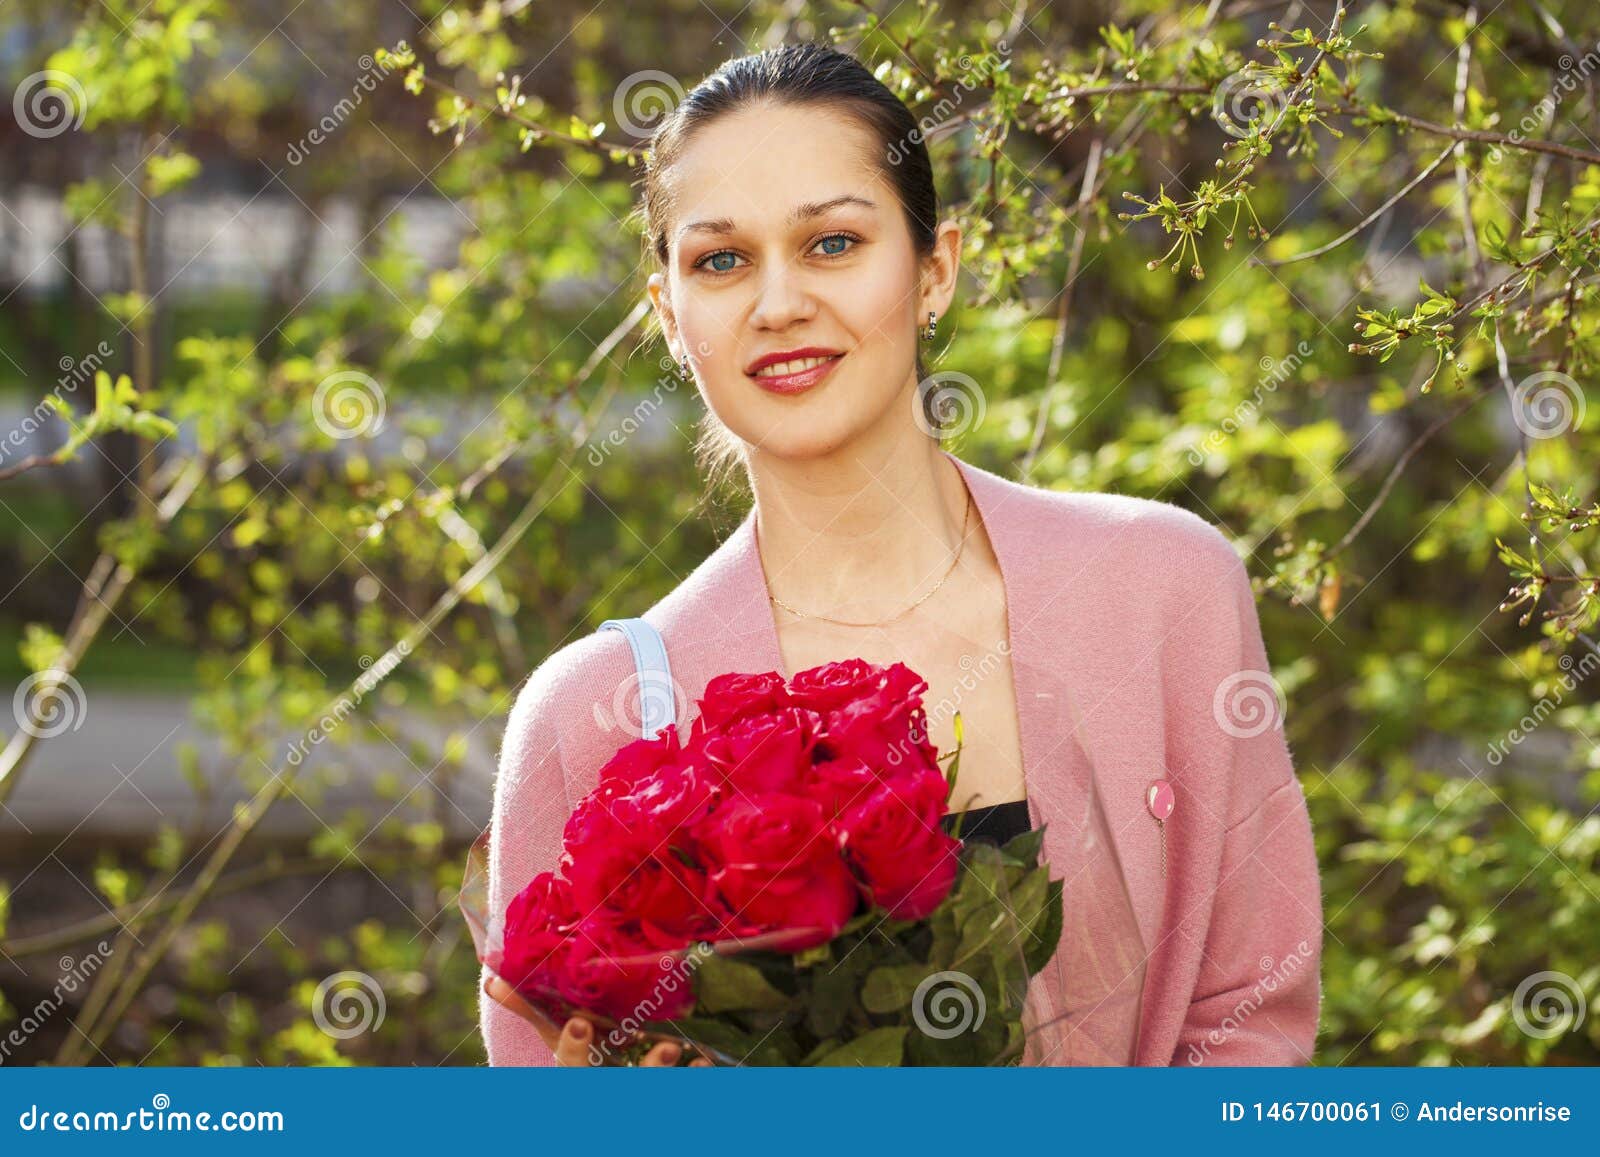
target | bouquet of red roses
[{"x": 778, "y": 888}]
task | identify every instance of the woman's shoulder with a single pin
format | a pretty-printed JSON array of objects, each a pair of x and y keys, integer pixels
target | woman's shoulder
[
  {"x": 1114, "y": 537},
  {"x": 577, "y": 697}
]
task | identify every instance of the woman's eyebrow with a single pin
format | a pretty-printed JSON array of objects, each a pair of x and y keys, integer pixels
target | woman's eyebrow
[{"x": 720, "y": 226}]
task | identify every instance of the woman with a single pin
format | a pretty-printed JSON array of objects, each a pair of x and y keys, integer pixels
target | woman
[{"x": 798, "y": 271}]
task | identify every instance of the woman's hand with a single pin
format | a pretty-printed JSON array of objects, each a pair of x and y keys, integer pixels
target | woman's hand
[{"x": 570, "y": 1042}]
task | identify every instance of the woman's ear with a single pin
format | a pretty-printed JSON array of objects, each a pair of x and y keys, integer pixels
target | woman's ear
[
  {"x": 662, "y": 304},
  {"x": 941, "y": 268}
]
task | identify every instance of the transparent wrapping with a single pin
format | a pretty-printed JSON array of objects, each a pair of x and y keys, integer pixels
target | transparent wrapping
[
  {"x": 1084, "y": 1006},
  {"x": 1034, "y": 957},
  {"x": 949, "y": 989}
]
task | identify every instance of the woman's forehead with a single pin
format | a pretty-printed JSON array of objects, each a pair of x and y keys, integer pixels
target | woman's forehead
[{"x": 756, "y": 171}]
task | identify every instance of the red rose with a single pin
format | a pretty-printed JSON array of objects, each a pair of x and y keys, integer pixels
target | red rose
[
  {"x": 534, "y": 941},
  {"x": 646, "y": 814},
  {"x": 672, "y": 902},
  {"x": 832, "y": 685},
  {"x": 894, "y": 839},
  {"x": 775, "y": 861},
  {"x": 637, "y": 759},
  {"x": 673, "y": 797},
  {"x": 733, "y": 695},
  {"x": 838, "y": 783},
  {"x": 770, "y": 752},
  {"x": 595, "y": 821},
  {"x": 882, "y": 723},
  {"x": 534, "y": 962},
  {"x": 611, "y": 971},
  {"x": 668, "y": 901},
  {"x": 598, "y": 870}
]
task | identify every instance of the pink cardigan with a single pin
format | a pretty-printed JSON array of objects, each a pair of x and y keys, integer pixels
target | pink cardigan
[{"x": 1138, "y": 611}]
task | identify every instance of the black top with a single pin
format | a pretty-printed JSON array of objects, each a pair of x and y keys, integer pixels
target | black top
[{"x": 995, "y": 824}]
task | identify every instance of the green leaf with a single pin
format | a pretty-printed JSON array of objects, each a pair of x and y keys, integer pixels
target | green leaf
[
  {"x": 946, "y": 935},
  {"x": 880, "y": 1046},
  {"x": 709, "y": 1031},
  {"x": 823, "y": 1048},
  {"x": 725, "y": 984},
  {"x": 1025, "y": 848},
  {"x": 977, "y": 896},
  {"x": 978, "y": 1044},
  {"x": 1027, "y": 897},
  {"x": 859, "y": 921},
  {"x": 1045, "y": 935},
  {"x": 171, "y": 172},
  {"x": 831, "y": 994},
  {"x": 811, "y": 957},
  {"x": 889, "y": 989}
]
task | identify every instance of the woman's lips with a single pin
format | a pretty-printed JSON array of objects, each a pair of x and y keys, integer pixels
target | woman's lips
[{"x": 800, "y": 380}]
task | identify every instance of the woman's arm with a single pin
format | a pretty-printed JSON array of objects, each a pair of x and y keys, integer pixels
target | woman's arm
[
  {"x": 530, "y": 812},
  {"x": 1256, "y": 996}
]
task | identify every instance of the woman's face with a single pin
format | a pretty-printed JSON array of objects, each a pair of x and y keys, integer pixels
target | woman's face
[{"x": 783, "y": 236}]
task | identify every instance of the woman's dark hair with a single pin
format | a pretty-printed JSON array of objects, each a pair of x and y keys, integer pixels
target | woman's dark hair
[{"x": 794, "y": 74}]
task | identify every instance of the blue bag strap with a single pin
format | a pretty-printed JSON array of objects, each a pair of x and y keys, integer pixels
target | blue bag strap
[{"x": 657, "y": 703}]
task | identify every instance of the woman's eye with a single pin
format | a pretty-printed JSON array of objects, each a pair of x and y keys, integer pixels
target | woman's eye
[
  {"x": 721, "y": 255},
  {"x": 726, "y": 260}
]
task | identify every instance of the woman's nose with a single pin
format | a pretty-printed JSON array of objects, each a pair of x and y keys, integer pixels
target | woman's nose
[{"x": 782, "y": 300}]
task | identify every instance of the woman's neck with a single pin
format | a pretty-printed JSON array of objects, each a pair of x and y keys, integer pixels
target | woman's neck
[{"x": 857, "y": 535}]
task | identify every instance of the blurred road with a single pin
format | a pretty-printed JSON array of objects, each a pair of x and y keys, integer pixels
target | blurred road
[{"x": 118, "y": 774}]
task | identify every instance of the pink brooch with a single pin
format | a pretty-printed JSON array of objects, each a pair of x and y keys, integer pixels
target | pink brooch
[{"x": 1161, "y": 799}]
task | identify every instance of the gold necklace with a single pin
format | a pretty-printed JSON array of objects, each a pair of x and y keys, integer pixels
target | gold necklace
[{"x": 961, "y": 546}]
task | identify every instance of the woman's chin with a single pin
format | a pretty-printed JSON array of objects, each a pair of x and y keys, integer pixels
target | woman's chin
[{"x": 796, "y": 437}]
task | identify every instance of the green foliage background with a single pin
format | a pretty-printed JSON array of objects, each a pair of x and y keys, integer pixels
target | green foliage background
[{"x": 1315, "y": 329}]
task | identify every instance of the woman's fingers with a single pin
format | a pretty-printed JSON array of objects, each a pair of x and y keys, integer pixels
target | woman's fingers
[
  {"x": 571, "y": 1042},
  {"x": 572, "y": 1048},
  {"x": 569, "y": 1045},
  {"x": 501, "y": 992},
  {"x": 663, "y": 1055}
]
